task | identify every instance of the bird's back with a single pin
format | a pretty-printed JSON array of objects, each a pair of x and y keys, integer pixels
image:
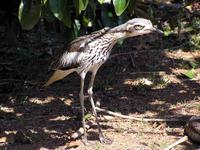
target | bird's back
[{"x": 82, "y": 51}]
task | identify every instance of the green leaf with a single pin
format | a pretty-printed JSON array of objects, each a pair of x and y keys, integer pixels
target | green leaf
[
  {"x": 193, "y": 64},
  {"x": 167, "y": 30},
  {"x": 89, "y": 15},
  {"x": 101, "y": 1},
  {"x": 86, "y": 22},
  {"x": 190, "y": 74},
  {"x": 44, "y": 1},
  {"x": 29, "y": 13},
  {"x": 120, "y": 6},
  {"x": 81, "y": 5},
  {"x": 87, "y": 116},
  {"x": 61, "y": 10},
  {"x": 46, "y": 12}
]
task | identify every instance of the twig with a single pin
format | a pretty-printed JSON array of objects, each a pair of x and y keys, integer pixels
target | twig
[
  {"x": 181, "y": 140},
  {"x": 136, "y": 118}
]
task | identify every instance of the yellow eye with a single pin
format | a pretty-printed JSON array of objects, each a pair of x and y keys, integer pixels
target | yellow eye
[{"x": 138, "y": 27}]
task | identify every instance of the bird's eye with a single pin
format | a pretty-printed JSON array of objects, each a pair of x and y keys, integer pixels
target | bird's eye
[{"x": 138, "y": 27}]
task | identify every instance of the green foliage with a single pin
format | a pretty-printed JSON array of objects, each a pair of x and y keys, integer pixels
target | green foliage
[
  {"x": 81, "y": 5},
  {"x": 61, "y": 10},
  {"x": 101, "y": 1},
  {"x": 98, "y": 13},
  {"x": 31, "y": 10},
  {"x": 89, "y": 15},
  {"x": 191, "y": 74},
  {"x": 87, "y": 116},
  {"x": 195, "y": 41},
  {"x": 167, "y": 30},
  {"x": 46, "y": 11},
  {"x": 120, "y": 6},
  {"x": 29, "y": 13}
]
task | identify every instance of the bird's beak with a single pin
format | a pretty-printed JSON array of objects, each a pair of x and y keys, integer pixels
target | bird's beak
[{"x": 157, "y": 30}]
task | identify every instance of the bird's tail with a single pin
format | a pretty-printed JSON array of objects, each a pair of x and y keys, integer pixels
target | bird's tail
[{"x": 58, "y": 75}]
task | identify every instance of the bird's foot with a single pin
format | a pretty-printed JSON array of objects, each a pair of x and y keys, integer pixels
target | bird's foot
[{"x": 105, "y": 140}]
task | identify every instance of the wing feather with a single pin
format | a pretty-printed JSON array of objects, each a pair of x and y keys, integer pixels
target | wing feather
[{"x": 72, "y": 57}]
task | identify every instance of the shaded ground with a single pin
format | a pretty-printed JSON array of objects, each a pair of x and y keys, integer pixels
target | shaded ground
[{"x": 146, "y": 83}]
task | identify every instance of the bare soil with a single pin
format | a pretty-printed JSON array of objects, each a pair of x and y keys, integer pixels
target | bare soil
[{"x": 148, "y": 82}]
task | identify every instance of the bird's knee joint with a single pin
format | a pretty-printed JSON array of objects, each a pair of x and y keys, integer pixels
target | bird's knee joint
[{"x": 90, "y": 91}]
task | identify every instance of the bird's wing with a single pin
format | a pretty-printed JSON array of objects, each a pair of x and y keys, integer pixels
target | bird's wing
[
  {"x": 71, "y": 58},
  {"x": 80, "y": 43}
]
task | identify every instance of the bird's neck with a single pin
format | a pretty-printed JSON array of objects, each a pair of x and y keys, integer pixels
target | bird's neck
[{"x": 118, "y": 32}]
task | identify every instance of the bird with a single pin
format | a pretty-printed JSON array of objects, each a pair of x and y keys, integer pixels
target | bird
[{"x": 87, "y": 53}]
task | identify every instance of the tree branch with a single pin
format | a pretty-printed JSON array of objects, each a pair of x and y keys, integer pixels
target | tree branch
[{"x": 139, "y": 119}]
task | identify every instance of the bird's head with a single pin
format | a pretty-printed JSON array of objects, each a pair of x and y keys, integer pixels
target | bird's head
[
  {"x": 140, "y": 26},
  {"x": 135, "y": 27}
]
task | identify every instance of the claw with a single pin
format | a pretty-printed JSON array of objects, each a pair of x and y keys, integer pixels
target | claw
[{"x": 105, "y": 140}]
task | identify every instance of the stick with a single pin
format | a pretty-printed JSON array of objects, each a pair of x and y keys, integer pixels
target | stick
[
  {"x": 136, "y": 118},
  {"x": 181, "y": 140}
]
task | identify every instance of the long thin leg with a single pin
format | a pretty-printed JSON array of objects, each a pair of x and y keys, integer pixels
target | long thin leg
[
  {"x": 90, "y": 92},
  {"x": 81, "y": 96}
]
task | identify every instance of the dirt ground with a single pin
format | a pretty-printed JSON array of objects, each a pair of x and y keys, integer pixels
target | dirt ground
[{"x": 141, "y": 80}]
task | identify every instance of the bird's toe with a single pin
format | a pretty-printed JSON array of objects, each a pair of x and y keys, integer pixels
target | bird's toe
[{"x": 105, "y": 140}]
